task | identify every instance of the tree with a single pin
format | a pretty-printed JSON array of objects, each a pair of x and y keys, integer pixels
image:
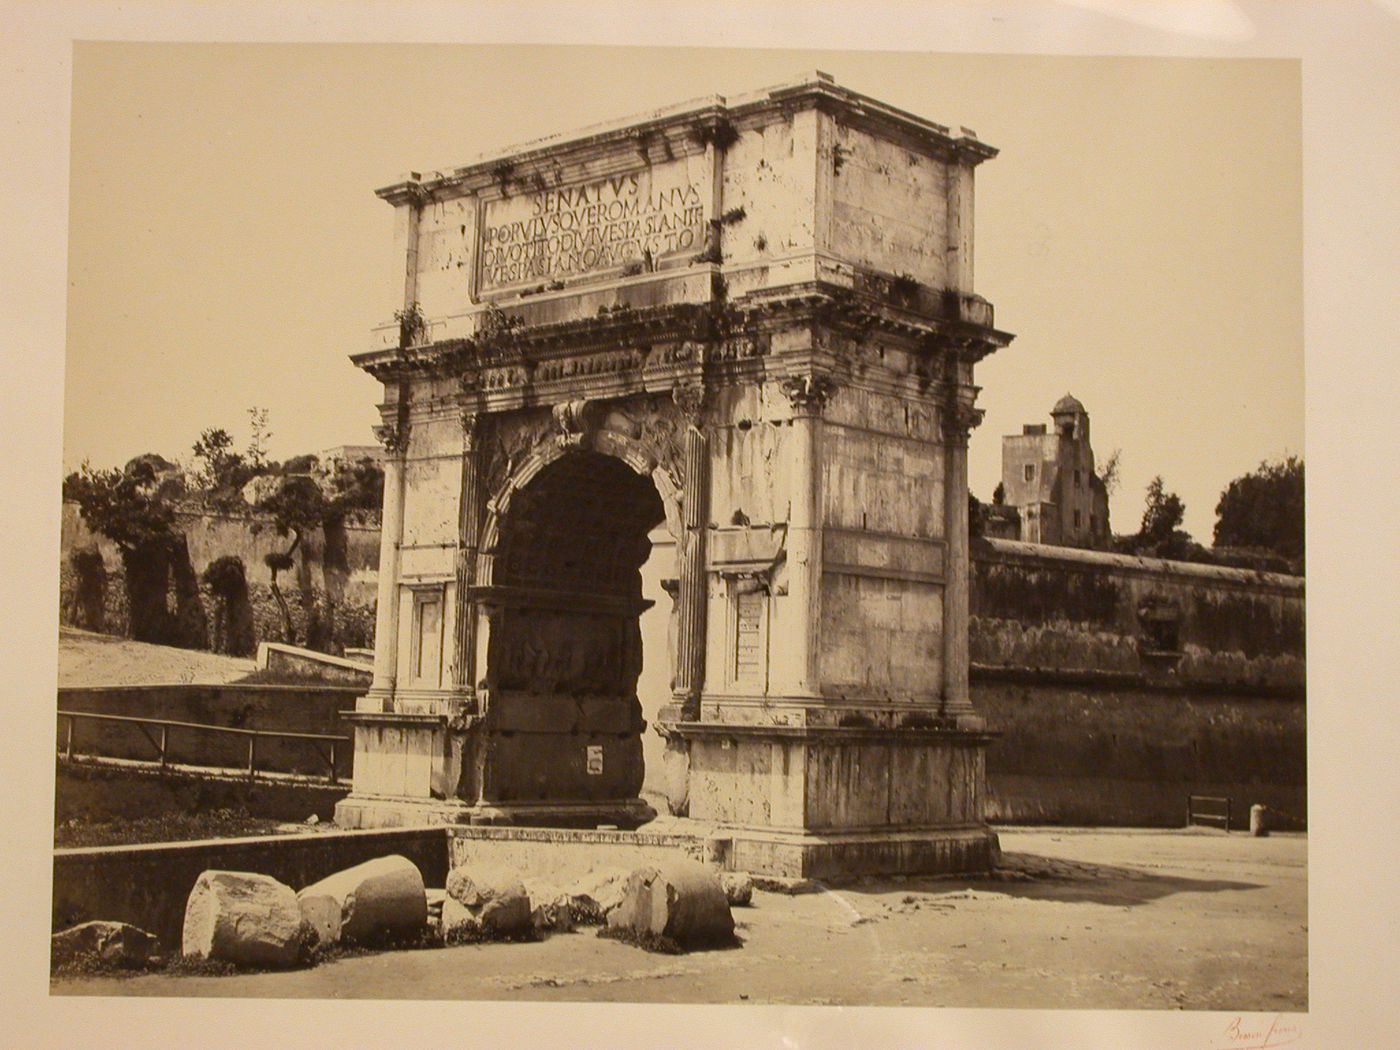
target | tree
[
  {"x": 234, "y": 632},
  {"x": 354, "y": 487},
  {"x": 257, "y": 444},
  {"x": 129, "y": 507},
  {"x": 1160, "y": 535},
  {"x": 213, "y": 452},
  {"x": 999, "y": 494},
  {"x": 85, "y": 605},
  {"x": 1108, "y": 471},
  {"x": 303, "y": 502},
  {"x": 1163, "y": 514},
  {"x": 221, "y": 472},
  {"x": 297, "y": 507},
  {"x": 1264, "y": 510}
]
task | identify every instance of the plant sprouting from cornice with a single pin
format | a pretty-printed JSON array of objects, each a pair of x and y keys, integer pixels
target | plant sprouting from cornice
[{"x": 412, "y": 325}]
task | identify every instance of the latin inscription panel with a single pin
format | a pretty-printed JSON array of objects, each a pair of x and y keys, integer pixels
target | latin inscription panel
[{"x": 641, "y": 218}]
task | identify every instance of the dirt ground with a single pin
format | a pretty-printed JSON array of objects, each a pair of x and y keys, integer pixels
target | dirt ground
[
  {"x": 89, "y": 659},
  {"x": 1079, "y": 919}
]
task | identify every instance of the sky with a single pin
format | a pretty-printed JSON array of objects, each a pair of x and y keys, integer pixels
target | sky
[{"x": 1140, "y": 233}]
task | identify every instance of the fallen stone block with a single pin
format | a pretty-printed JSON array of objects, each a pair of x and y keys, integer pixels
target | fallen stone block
[
  {"x": 322, "y": 914},
  {"x": 245, "y": 919},
  {"x": 484, "y": 901},
  {"x": 592, "y": 896},
  {"x": 435, "y": 898},
  {"x": 738, "y": 887},
  {"x": 118, "y": 943},
  {"x": 550, "y": 908},
  {"x": 368, "y": 902},
  {"x": 679, "y": 900}
]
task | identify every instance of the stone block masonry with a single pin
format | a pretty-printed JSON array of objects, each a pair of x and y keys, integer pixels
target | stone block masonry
[
  {"x": 750, "y": 321},
  {"x": 1121, "y": 685}
]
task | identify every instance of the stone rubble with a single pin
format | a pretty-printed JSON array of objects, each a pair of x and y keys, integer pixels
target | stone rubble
[
  {"x": 551, "y": 910},
  {"x": 113, "y": 942},
  {"x": 378, "y": 898},
  {"x": 738, "y": 888},
  {"x": 593, "y": 895},
  {"x": 245, "y": 919},
  {"x": 484, "y": 901},
  {"x": 680, "y": 899}
]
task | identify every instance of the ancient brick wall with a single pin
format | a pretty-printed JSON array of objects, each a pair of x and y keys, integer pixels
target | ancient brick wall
[
  {"x": 251, "y": 538},
  {"x": 1106, "y": 717}
]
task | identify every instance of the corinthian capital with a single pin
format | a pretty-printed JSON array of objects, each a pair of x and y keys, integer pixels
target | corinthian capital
[
  {"x": 959, "y": 419},
  {"x": 808, "y": 394},
  {"x": 471, "y": 428},
  {"x": 689, "y": 397},
  {"x": 393, "y": 436}
]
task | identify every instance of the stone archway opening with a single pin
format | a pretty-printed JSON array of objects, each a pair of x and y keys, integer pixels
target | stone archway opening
[{"x": 565, "y": 649}]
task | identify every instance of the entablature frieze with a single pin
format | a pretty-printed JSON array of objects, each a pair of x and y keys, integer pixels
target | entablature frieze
[{"x": 512, "y": 363}]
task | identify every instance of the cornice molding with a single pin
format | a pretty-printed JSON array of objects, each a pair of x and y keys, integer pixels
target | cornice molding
[{"x": 682, "y": 130}]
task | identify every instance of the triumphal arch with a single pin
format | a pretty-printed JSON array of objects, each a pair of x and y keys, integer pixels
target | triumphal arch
[{"x": 749, "y": 323}]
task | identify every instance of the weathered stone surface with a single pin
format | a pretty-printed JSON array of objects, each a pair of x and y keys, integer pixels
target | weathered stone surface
[
  {"x": 113, "y": 942},
  {"x": 738, "y": 887},
  {"x": 483, "y": 900},
  {"x": 550, "y": 909},
  {"x": 681, "y": 899},
  {"x": 594, "y": 895},
  {"x": 553, "y": 916},
  {"x": 819, "y": 519},
  {"x": 379, "y": 897},
  {"x": 322, "y": 913},
  {"x": 246, "y": 919}
]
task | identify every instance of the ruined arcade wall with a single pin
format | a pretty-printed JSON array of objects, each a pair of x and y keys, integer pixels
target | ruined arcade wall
[
  {"x": 1099, "y": 726},
  {"x": 251, "y": 538}
]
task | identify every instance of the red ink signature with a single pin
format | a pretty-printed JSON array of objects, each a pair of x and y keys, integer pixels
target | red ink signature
[{"x": 1260, "y": 1035}]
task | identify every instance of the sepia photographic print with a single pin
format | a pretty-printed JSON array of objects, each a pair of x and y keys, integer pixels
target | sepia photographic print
[{"x": 686, "y": 526}]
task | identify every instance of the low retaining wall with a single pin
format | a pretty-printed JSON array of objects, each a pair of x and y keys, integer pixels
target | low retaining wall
[
  {"x": 294, "y": 709},
  {"x": 94, "y": 792},
  {"x": 1122, "y": 685},
  {"x": 563, "y": 854},
  {"x": 147, "y": 886},
  {"x": 1076, "y": 750},
  {"x": 307, "y": 663}
]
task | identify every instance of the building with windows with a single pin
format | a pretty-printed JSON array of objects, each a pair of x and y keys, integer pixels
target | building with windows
[{"x": 1048, "y": 478}]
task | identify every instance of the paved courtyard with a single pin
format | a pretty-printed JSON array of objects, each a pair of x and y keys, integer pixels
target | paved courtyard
[{"x": 1083, "y": 919}]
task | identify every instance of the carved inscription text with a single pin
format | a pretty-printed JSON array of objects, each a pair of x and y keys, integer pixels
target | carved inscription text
[{"x": 639, "y": 217}]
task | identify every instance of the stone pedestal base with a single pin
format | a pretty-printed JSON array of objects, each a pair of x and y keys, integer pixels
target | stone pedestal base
[
  {"x": 918, "y": 851},
  {"x": 626, "y": 814},
  {"x": 367, "y": 811},
  {"x": 831, "y": 800},
  {"x": 414, "y": 767},
  {"x": 360, "y": 811}
]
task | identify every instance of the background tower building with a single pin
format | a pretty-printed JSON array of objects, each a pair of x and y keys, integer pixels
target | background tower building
[{"x": 1049, "y": 477}]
